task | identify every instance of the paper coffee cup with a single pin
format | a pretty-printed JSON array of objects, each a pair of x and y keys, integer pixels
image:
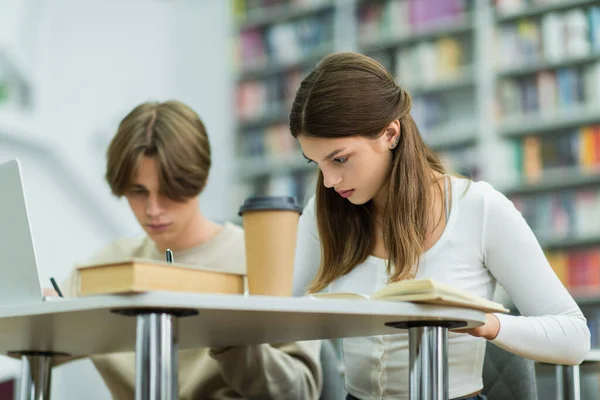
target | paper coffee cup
[{"x": 270, "y": 225}]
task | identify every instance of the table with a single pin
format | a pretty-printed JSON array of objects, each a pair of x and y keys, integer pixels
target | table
[{"x": 157, "y": 324}]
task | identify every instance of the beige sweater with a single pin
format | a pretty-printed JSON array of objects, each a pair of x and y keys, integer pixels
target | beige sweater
[{"x": 283, "y": 371}]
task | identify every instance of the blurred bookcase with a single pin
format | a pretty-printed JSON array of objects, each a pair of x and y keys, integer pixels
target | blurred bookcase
[
  {"x": 428, "y": 46},
  {"x": 278, "y": 42},
  {"x": 548, "y": 112},
  {"x": 507, "y": 91}
]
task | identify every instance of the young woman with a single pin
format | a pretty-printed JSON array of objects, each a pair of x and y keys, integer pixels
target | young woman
[
  {"x": 159, "y": 160},
  {"x": 386, "y": 210}
]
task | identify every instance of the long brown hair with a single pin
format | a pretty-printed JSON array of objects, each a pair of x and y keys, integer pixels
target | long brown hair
[
  {"x": 350, "y": 94},
  {"x": 174, "y": 134}
]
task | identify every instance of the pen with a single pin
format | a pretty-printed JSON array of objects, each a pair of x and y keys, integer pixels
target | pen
[
  {"x": 56, "y": 287},
  {"x": 169, "y": 255}
]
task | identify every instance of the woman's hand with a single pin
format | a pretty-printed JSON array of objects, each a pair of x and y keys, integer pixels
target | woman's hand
[{"x": 489, "y": 330}]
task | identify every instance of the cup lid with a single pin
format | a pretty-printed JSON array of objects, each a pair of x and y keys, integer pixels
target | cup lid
[{"x": 271, "y": 203}]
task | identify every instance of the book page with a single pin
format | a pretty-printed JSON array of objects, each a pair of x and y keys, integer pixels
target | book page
[
  {"x": 429, "y": 289},
  {"x": 152, "y": 262},
  {"x": 340, "y": 295}
]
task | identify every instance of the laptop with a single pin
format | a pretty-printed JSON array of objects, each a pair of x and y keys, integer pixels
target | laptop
[{"x": 20, "y": 282}]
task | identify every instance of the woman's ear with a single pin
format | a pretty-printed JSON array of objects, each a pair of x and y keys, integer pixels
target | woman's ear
[{"x": 392, "y": 134}]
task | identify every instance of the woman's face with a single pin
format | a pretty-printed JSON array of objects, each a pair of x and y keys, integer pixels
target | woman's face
[{"x": 356, "y": 167}]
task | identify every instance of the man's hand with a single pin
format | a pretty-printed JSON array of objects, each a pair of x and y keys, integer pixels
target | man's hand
[
  {"x": 489, "y": 330},
  {"x": 49, "y": 292}
]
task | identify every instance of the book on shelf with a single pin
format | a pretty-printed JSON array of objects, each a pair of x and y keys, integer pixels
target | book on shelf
[
  {"x": 556, "y": 94},
  {"x": 573, "y": 153},
  {"x": 426, "y": 291},
  {"x": 138, "y": 275},
  {"x": 554, "y": 37},
  {"x": 391, "y": 19},
  {"x": 562, "y": 216},
  {"x": 283, "y": 42},
  {"x": 427, "y": 63},
  {"x": 577, "y": 269}
]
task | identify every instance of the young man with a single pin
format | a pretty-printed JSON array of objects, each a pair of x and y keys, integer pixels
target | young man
[{"x": 159, "y": 160}]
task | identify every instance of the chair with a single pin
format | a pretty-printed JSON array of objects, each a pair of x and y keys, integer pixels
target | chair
[
  {"x": 333, "y": 381},
  {"x": 506, "y": 375}
]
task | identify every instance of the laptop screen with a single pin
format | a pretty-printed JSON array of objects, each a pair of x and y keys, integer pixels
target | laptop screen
[{"x": 20, "y": 282}]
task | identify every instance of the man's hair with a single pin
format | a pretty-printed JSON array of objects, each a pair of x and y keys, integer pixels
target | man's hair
[{"x": 174, "y": 135}]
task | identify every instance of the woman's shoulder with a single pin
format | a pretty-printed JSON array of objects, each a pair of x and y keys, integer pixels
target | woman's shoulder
[
  {"x": 480, "y": 194},
  {"x": 472, "y": 189}
]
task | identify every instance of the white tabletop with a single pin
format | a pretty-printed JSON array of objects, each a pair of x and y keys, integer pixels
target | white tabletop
[{"x": 87, "y": 325}]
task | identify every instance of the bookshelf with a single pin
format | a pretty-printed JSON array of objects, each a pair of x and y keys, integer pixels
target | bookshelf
[
  {"x": 571, "y": 243},
  {"x": 549, "y": 122},
  {"x": 461, "y": 27},
  {"x": 273, "y": 165},
  {"x": 252, "y": 17},
  {"x": 548, "y": 65},
  {"x": 276, "y": 44},
  {"x": 548, "y": 117},
  {"x": 586, "y": 300},
  {"x": 464, "y": 80},
  {"x": 510, "y": 11},
  {"x": 559, "y": 179},
  {"x": 268, "y": 74},
  {"x": 429, "y": 47},
  {"x": 260, "y": 71},
  {"x": 452, "y": 140}
]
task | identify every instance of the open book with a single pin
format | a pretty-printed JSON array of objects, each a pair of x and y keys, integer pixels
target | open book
[
  {"x": 422, "y": 291},
  {"x": 141, "y": 275}
]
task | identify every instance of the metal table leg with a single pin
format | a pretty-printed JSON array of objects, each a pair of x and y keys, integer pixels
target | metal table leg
[
  {"x": 568, "y": 386},
  {"x": 36, "y": 372},
  {"x": 428, "y": 358},
  {"x": 156, "y": 358}
]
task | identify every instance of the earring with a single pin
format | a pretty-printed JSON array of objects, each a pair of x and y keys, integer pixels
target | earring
[{"x": 395, "y": 143}]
